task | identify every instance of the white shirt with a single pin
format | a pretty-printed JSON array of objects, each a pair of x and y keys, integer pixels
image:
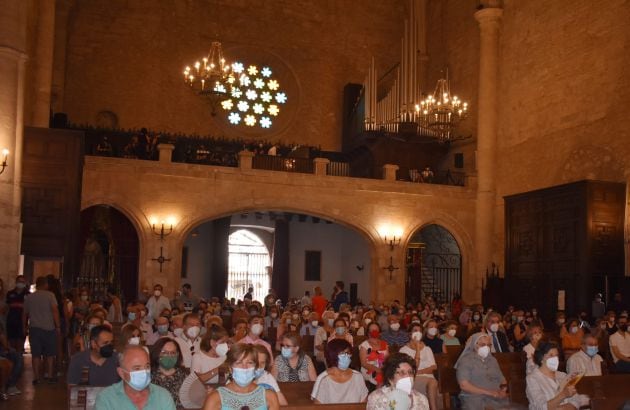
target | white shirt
[
  {"x": 157, "y": 306},
  {"x": 202, "y": 363},
  {"x": 621, "y": 342},
  {"x": 580, "y": 362},
  {"x": 426, "y": 358},
  {"x": 185, "y": 345},
  {"x": 269, "y": 380},
  {"x": 326, "y": 390},
  {"x": 155, "y": 336}
]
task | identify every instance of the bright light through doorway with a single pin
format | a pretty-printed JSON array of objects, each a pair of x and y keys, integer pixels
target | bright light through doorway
[{"x": 247, "y": 264}]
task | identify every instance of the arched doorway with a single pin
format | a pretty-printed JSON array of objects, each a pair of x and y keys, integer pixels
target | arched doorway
[
  {"x": 434, "y": 265},
  {"x": 108, "y": 253},
  {"x": 248, "y": 265}
]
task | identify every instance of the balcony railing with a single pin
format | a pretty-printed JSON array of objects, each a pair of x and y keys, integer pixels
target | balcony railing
[{"x": 275, "y": 163}]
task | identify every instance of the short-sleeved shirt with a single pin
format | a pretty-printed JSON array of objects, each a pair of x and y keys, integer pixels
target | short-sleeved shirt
[
  {"x": 622, "y": 342},
  {"x": 103, "y": 375},
  {"x": 435, "y": 344},
  {"x": 39, "y": 308},
  {"x": 484, "y": 373},
  {"x": 189, "y": 349},
  {"x": 286, "y": 373},
  {"x": 202, "y": 363},
  {"x": 156, "y": 306},
  {"x": 115, "y": 398},
  {"x": 580, "y": 362},
  {"x": 249, "y": 340},
  {"x": 267, "y": 380},
  {"x": 426, "y": 358},
  {"x": 327, "y": 391}
]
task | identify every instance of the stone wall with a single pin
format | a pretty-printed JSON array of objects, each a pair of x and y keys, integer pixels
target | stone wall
[
  {"x": 127, "y": 58},
  {"x": 194, "y": 194}
]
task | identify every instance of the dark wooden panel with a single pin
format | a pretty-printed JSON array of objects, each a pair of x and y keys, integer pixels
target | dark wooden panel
[{"x": 51, "y": 194}]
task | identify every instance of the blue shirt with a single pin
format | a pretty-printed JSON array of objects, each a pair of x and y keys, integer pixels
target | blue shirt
[{"x": 115, "y": 398}]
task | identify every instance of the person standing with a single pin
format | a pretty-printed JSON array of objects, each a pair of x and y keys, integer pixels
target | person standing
[
  {"x": 15, "y": 303},
  {"x": 187, "y": 301},
  {"x": 339, "y": 296},
  {"x": 157, "y": 303},
  {"x": 42, "y": 316},
  {"x": 319, "y": 301}
]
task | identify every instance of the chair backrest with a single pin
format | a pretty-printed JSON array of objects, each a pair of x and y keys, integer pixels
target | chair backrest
[
  {"x": 307, "y": 344},
  {"x": 517, "y": 389},
  {"x": 447, "y": 377},
  {"x": 82, "y": 397}
]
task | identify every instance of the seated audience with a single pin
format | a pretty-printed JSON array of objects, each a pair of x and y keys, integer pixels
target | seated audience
[
  {"x": 424, "y": 361},
  {"x": 242, "y": 392},
  {"x": 213, "y": 351},
  {"x": 341, "y": 332},
  {"x": 99, "y": 359},
  {"x": 450, "y": 335},
  {"x": 479, "y": 376},
  {"x": 239, "y": 330},
  {"x": 166, "y": 367},
  {"x": 372, "y": 352},
  {"x": 431, "y": 337},
  {"x": 135, "y": 389},
  {"x": 519, "y": 331},
  {"x": 534, "y": 334},
  {"x": 397, "y": 391},
  {"x": 293, "y": 364},
  {"x": 129, "y": 335},
  {"x": 161, "y": 330},
  {"x": 309, "y": 328},
  {"x": 548, "y": 388},
  {"x": 586, "y": 361},
  {"x": 263, "y": 377},
  {"x": 339, "y": 383},
  {"x": 255, "y": 330},
  {"x": 498, "y": 337},
  {"x": 571, "y": 337},
  {"x": 620, "y": 346},
  {"x": 393, "y": 335},
  {"x": 81, "y": 340},
  {"x": 189, "y": 340}
]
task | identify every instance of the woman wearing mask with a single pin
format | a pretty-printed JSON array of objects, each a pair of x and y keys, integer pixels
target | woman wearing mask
[
  {"x": 339, "y": 383},
  {"x": 372, "y": 353},
  {"x": 449, "y": 337},
  {"x": 341, "y": 332},
  {"x": 271, "y": 321},
  {"x": 424, "y": 361},
  {"x": 432, "y": 337},
  {"x": 547, "y": 388},
  {"x": 397, "y": 392},
  {"x": 285, "y": 326},
  {"x": 242, "y": 392},
  {"x": 479, "y": 376},
  {"x": 519, "y": 331},
  {"x": 476, "y": 323},
  {"x": 82, "y": 339},
  {"x": 263, "y": 377},
  {"x": 534, "y": 335},
  {"x": 571, "y": 337},
  {"x": 129, "y": 335},
  {"x": 166, "y": 367},
  {"x": 214, "y": 349},
  {"x": 328, "y": 321},
  {"x": 293, "y": 365}
]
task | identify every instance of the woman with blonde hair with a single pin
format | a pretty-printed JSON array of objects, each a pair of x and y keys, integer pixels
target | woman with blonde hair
[
  {"x": 286, "y": 324},
  {"x": 293, "y": 365}
]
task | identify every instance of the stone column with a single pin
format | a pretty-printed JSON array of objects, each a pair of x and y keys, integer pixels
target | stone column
[
  {"x": 320, "y": 165},
  {"x": 389, "y": 172},
  {"x": 43, "y": 63},
  {"x": 166, "y": 152},
  {"x": 12, "y": 80},
  {"x": 489, "y": 24}
]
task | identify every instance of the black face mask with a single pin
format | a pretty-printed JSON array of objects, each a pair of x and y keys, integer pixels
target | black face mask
[{"x": 106, "y": 351}]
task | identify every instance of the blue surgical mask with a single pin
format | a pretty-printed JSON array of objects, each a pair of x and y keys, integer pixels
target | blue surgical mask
[
  {"x": 131, "y": 316},
  {"x": 258, "y": 373},
  {"x": 243, "y": 377},
  {"x": 340, "y": 330},
  {"x": 139, "y": 379},
  {"x": 591, "y": 350},
  {"x": 287, "y": 352},
  {"x": 343, "y": 361},
  {"x": 162, "y": 329}
]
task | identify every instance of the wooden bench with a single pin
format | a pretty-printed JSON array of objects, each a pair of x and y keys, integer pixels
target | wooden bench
[
  {"x": 447, "y": 375},
  {"x": 298, "y": 396},
  {"x": 82, "y": 397},
  {"x": 606, "y": 392}
]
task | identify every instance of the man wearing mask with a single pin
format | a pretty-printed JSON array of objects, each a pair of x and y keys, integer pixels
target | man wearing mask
[
  {"x": 15, "y": 302},
  {"x": 394, "y": 335},
  {"x": 99, "y": 359},
  {"x": 135, "y": 389},
  {"x": 189, "y": 341},
  {"x": 500, "y": 343},
  {"x": 161, "y": 330},
  {"x": 620, "y": 346},
  {"x": 157, "y": 303},
  {"x": 254, "y": 333},
  {"x": 586, "y": 360},
  {"x": 187, "y": 301}
]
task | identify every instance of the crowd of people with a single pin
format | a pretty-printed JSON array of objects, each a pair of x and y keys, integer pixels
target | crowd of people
[{"x": 191, "y": 352}]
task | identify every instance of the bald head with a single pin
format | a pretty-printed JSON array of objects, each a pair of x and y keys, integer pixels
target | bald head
[{"x": 134, "y": 358}]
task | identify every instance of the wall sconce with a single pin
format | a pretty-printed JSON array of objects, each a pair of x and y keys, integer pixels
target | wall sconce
[
  {"x": 393, "y": 241},
  {"x": 5, "y": 156},
  {"x": 391, "y": 236},
  {"x": 162, "y": 229}
]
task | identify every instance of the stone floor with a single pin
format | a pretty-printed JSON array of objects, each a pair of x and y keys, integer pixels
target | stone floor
[{"x": 41, "y": 397}]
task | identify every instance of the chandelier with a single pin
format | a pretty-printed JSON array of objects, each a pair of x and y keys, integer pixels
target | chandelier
[
  {"x": 439, "y": 114},
  {"x": 211, "y": 77}
]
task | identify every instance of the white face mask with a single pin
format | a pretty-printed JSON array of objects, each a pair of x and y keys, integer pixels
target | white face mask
[
  {"x": 574, "y": 329},
  {"x": 257, "y": 329},
  {"x": 222, "y": 349},
  {"x": 134, "y": 341},
  {"x": 494, "y": 327},
  {"x": 552, "y": 363},
  {"x": 405, "y": 384},
  {"x": 179, "y": 332},
  {"x": 432, "y": 331},
  {"x": 483, "y": 351},
  {"x": 452, "y": 332},
  {"x": 394, "y": 326},
  {"x": 157, "y": 293},
  {"x": 368, "y": 321},
  {"x": 193, "y": 332},
  {"x": 417, "y": 336}
]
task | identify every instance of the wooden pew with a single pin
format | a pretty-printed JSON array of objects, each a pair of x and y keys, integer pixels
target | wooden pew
[
  {"x": 298, "y": 396},
  {"x": 82, "y": 397},
  {"x": 447, "y": 375},
  {"x": 606, "y": 392}
]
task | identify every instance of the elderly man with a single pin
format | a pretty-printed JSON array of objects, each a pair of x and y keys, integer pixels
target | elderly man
[
  {"x": 135, "y": 391},
  {"x": 189, "y": 340},
  {"x": 99, "y": 359},
  {"x": 499, "y": 339},
  {"x": 254, "y": 331},
  {"x": 394, "y": 335},
  {"x": 586, "y": 360}
]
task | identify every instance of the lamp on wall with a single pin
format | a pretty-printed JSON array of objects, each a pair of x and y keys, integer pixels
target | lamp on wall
[
  {"x": 392, "y": 241},
  {"x": 391, "y": 236},
  {"x": 5, "y": 156},
  {"x": 162, "y": 229}
]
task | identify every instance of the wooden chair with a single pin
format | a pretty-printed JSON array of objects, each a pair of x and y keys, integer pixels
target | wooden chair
[
  {"x": 447, "y": 376},
  {"x": 307, "y": 344},
  {"x": 517, "y": 389}
]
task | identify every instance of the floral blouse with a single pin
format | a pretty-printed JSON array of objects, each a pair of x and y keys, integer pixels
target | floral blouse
[
  {"x": 389, "y": 398},
  {"x": 171, "y": 383}
]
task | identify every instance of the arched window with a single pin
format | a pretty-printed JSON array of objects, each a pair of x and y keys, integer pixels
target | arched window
[{"x": 247, "y": 265}]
